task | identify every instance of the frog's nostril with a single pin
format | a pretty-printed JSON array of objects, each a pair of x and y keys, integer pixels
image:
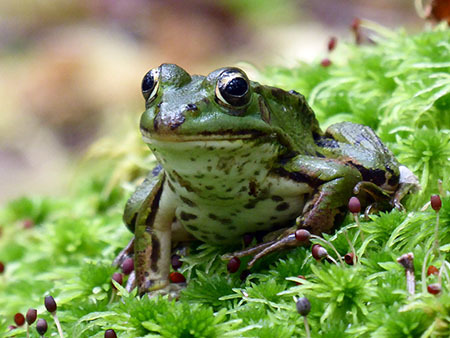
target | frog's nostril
[{"x": 191, "y": 107}]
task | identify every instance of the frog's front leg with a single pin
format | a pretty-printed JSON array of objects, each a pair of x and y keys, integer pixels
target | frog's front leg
[
  {"x": 152, "y": 243},
  {"x": 332, "y": 182}
]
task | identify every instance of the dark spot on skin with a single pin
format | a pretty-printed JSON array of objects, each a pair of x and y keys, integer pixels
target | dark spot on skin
[
  {"x": 154, "y": 207},
  {"x": 229, "y": 189},
  {"x": 185, "y": 184},
  {"x": 241, "y": 180},
  {"x": 259, "y": 223},
  {"x": 187, "y": 201},
  {"x": 209, "y": 168},
  {"x": 256, "y": 173},
  {"x": 376, "y": 176},
  {"x": 282, "y": 206},
  {"x": 232, "y": 227},
  {"x": 225, "y": 221},
  {"x": 192, "y": 227},
  {"x": 340, "y": 216},
  {"x": 212, "y": 216},
  {"x": 277, "y": 198},
  {"x": 393, "y": 181},
  {"x": 220, "y": 237},
  {"x": 273, "y": 217},
  {"x": 156, "y": 252},
  {"x": 209, "y": 187},
  {"x": 191, "y": 106},
  {"x": 193, "y": 159},
  {"x": 278, "y": 93},
  {"x": 327, "y": 143},
  {"x": 199, "y": 176},
  {"x": 252, "y": 188},
  {"x": 250, "y": 204},
  {"x": 210, "y": 148},
  {"x": 187, "y": 216},
  {"x": 300, "y": 177},
  {"x": 243, "y": 189}
]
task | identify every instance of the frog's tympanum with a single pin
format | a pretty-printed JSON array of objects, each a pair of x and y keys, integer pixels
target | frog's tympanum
[{"x": 237, "y": 157}]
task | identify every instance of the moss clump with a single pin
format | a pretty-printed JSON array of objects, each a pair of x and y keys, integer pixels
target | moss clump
[{"x": 400, "y": 86}]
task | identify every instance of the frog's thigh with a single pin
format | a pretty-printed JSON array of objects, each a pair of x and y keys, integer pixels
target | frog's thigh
[
  {"x": 333, "y": 182},
  {"x": 153, "y": 239}
]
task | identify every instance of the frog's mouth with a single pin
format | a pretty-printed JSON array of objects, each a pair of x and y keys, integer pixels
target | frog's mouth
[{"x": 226, "y": 135}]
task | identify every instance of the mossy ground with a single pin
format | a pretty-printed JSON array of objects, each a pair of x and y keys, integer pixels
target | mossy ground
[{"x": 400, "y": 86}]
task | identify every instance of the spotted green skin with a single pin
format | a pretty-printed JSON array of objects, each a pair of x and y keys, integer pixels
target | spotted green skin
[{"x": 229, "y": 171}]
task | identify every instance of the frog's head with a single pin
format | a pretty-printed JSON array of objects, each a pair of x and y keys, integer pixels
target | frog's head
[{"x": 225, "y": 105}]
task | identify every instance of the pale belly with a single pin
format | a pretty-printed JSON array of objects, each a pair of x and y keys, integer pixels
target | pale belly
[{"x": 224, "y": 221}]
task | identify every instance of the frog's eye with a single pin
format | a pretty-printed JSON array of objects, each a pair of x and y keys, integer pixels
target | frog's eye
[
  {"x": 150, "y": 84},
  {"x": 233, "y": 88}
]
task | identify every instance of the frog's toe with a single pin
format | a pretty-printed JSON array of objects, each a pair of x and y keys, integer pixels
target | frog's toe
[
  {"x": 131, "y": 282},
  {"x": 285, "y": 241}
]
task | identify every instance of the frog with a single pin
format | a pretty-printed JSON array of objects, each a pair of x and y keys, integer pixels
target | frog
[{"x": 237, "y": 157}]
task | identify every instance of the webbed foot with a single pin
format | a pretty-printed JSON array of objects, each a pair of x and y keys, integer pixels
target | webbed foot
[{"x": 284, "y": 240}]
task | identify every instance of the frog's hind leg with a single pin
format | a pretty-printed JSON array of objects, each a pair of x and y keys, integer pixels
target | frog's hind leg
[{"x": 333, "y": 183}]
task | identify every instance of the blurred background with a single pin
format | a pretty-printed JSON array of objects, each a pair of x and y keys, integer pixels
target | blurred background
[{"x": 70, "y": 71}]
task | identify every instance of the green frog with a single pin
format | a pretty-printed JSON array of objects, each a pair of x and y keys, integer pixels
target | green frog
[{"x": 236, "y": 157}]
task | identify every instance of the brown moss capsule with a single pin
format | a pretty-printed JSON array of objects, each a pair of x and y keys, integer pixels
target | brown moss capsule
[
  {"x": 302, "y": 235},
  {"x": 110, "y": 333},
  {"x": 349, "y": 258},
  {"x": 19, "y": 319},
  {"x": 434, "y": 289},
  {"x": 233, "y": 265},
  {"x": 41, "y": 326},
  {"x": 303, "y": 306},
  {"x": 354, "y": 205},
  {"x": 128, "y": 266},
  {"x": 332, "y": 43},
  {"x": 248, "y": 239},
  {"x": 176, "y": 277},
  {"x": 50, "y": 304},
  {"x": 2, "y": 267},
  {"x": 176, "y": 262},
  {"x": 436, "y": 202},
  {"x": 318, "y": 251},
  {"x": 117, "y": 277},
  {"x": 325, "y": 62},
  {"x": 301, "y": 277},
  {"x": 31, "y": 316},
  {"x": 432, "y": 270}
]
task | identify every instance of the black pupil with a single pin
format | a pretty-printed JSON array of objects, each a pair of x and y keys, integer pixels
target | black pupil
[
  {"x": 236, "y": 87},
  {"x": 148, "y": 82}
]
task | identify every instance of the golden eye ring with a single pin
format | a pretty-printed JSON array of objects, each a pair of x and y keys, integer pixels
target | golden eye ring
[
  {"x": 233, "y": 88},
  {"x": 150, "y": 85}
]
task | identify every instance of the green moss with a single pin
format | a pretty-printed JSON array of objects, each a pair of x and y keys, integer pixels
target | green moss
[{"x": 400, "y": 86}]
